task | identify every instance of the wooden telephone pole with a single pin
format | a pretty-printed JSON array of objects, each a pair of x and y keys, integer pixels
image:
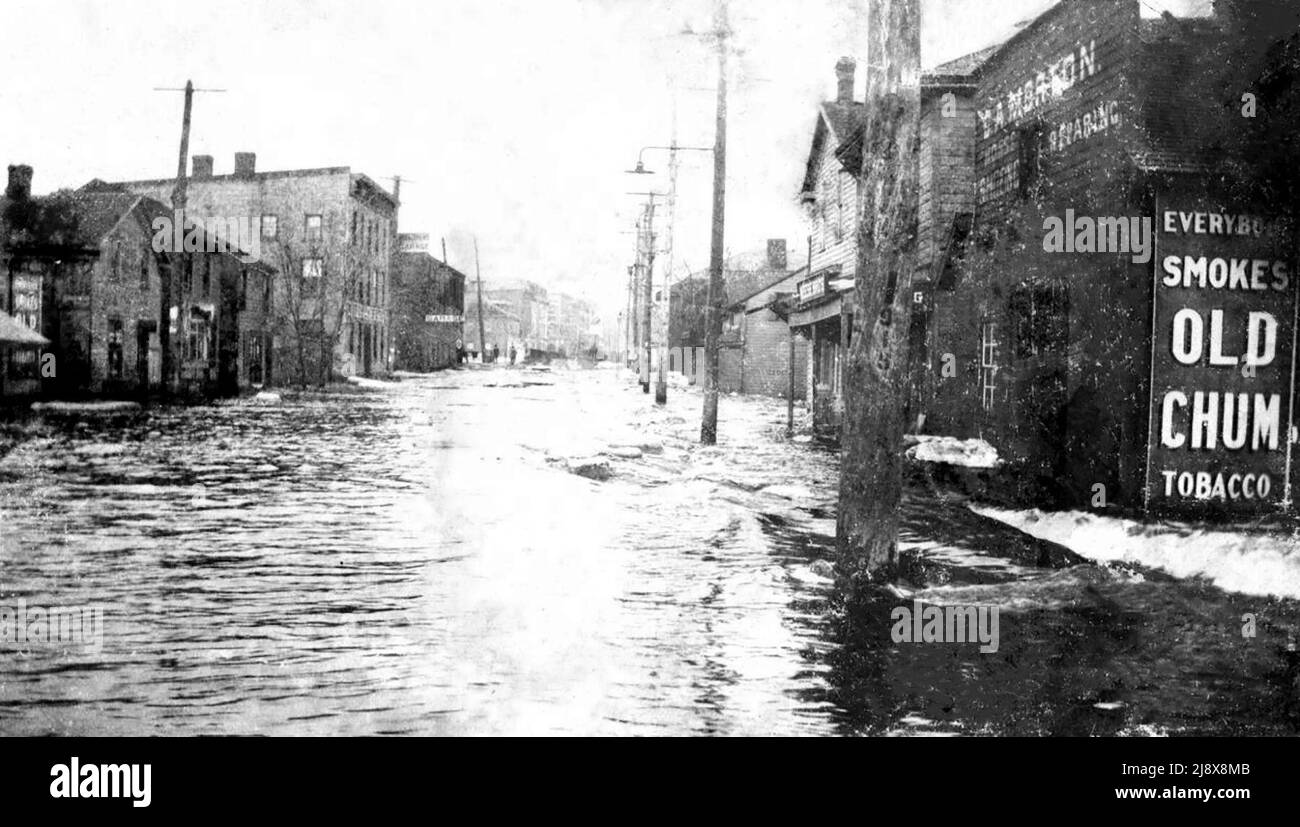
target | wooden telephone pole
[
  {"x": 478, "y": 278},
  {"x": 875, "y": 382},
  {"x": 647, "y": 309},
  {"x": 179, "y": 199},
  {"x": 717, "y": 285}
]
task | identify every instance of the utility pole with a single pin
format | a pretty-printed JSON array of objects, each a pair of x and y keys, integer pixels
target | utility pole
[
  {"x": 628, "y": 344},
  {"x": 717, "y": 287},
  {"x": 664, "y": 306},
  {"x": 478, "y": 278},
  {"x": 647, "y": 312},
  {"x": 179, "y": 198},
  {"x": 875, "y": 382},
  {"x": 645, "y": 295}
]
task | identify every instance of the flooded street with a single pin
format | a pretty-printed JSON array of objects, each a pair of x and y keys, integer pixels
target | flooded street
[
  {"x": 409, "y": 560},
  {"x": 416, "y": 558}
]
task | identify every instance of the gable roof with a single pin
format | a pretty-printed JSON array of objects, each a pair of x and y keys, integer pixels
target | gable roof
[
  {"x": 837, "y": 122},
  {"x": 82, "y": 219},
  {"x": 768, "y": 285}
]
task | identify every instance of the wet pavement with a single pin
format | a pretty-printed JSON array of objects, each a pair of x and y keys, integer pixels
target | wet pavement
[{"x": 420, "y": 559}]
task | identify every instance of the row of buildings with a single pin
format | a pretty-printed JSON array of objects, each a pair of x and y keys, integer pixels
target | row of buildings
[
  {"x": 267, "y": 277},
  {"x": 536, "y": 323},
  {"x": 1102, "y": 278}
]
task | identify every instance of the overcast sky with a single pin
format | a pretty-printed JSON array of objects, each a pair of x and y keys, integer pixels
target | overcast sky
[{"x": 512, "y": 120}]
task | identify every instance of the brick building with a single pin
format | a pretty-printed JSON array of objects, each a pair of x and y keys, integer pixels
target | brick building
[
  {"x": 428, "y": 307},
  {"x": 571, "y": 325},
  {"x": 501, "y": 327},
  {"x": 530, "y": 305},
  {"x": 755, "y": 347},
  {"x": 331, "y": 233},
  {"x": 744, "y": 275},
  {"x": 121, "y": 317},
  {"x": 1093, "y": 119}
]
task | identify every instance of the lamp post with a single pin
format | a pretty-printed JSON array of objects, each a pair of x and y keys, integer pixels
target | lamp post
[{"x": 661, "y": 386}]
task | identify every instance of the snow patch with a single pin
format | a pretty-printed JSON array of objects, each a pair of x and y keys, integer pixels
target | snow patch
[
  {"x": 1236, "y": 561},
  {"x": 970, "y": 453}
]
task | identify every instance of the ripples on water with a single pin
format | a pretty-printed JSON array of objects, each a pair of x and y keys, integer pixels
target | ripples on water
[
  {"x": 407, "y": 561},
  {"x": 416, "y": 560}
]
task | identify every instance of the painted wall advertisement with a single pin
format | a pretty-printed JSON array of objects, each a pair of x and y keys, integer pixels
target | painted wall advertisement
[{"x": 1223, "y": 358}]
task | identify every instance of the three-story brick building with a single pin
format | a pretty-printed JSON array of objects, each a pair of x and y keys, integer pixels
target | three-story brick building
[{"x": 331, "y": 233}]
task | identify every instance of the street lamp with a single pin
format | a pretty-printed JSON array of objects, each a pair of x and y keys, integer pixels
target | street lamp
[
  {"x": 661, "y": 388},
  {"x": 640, "y": 163}
]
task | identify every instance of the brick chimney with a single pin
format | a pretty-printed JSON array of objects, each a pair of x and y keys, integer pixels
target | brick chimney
[
  {"x": 201, "y": 167},
  {"x": 776, "y": 258},
  {"x": 20, "y": 182},
  {"x": 245, "y": 164},
  {"x": 844, "y": 71}
]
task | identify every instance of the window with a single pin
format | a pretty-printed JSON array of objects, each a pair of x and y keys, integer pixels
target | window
[
  {"x": 253, "y": 357},
  {"x": 313, "y": 228},
  {"x": 187, "y": 275},
  {"x": 839, "y": 208},
  {"x": 196, "y": 339},
  {"x": 1040, "y": 318},
  {"x": 988, "y": 364},
  {"x": 26, "y": 310},
  {"x": 311, "y": 269},
  {"x": 352, "y": 239},
  {"x": 270, "y": 227},
  {"x": 115, "y": 349},
  {"x": 1030, "y": 140}
]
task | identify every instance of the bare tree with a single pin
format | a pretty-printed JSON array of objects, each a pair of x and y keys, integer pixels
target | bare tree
[{"x": 320, "y": 278}]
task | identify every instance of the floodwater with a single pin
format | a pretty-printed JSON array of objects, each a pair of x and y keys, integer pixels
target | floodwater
[{"x": 417, "y": 559}]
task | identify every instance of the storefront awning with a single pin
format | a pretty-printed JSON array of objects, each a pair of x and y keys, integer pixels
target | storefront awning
[
  {"x": 15, "y": 334},
  {"x": 822, "y": 311}
]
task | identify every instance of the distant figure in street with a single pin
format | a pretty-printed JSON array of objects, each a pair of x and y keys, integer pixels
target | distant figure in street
[
  {"x": 513, "y": 353},
  {"x": 460, "y": 352}
]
